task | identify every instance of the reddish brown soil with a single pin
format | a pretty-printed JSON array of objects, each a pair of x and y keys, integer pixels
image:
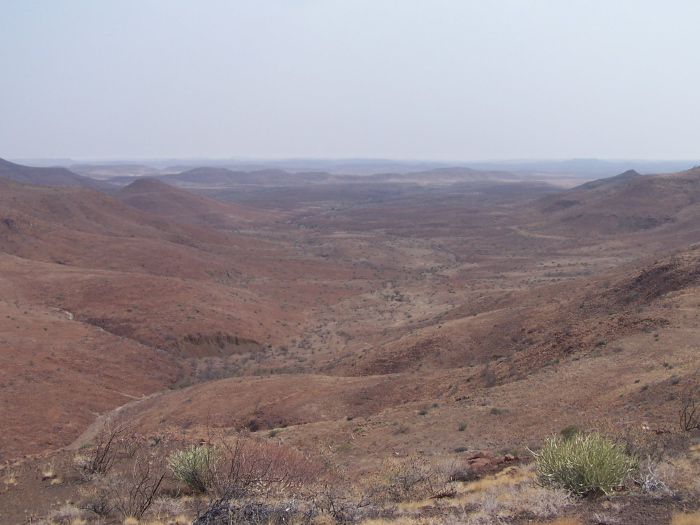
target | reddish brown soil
[{"x": 341, "y": 312}]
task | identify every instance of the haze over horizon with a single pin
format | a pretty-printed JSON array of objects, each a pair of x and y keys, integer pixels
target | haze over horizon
[{"x": 445, "y": 80}]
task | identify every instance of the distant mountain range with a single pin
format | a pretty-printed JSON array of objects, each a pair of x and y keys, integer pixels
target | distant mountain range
[
  {"x": 576, "y": 167},
  {"x": 49, "y": 176}
]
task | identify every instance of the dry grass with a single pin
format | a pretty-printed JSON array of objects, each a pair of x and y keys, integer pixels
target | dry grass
[
  {"x": 573, "y": 520},
  {"x": 177, "y": 520},
  {"x": 509, "y": 501},
  {"x": 68, "y": 515},
  {"x": 505, "y": 477},
  {"x": 48, "y": 470},
  {"x": 403, "y": 520},
  {"x": 510, "y": 493},
  {"x": 493, "y": 499},
  {"x": 686, "y": 519},
  {"x": 170, "y": 510}
]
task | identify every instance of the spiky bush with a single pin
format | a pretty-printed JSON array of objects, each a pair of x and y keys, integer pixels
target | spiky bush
[
  {"x": 195, "y": 466},
  {"x": 584, "y": 464}
]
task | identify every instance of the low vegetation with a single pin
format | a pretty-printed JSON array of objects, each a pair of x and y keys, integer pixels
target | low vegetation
[
  {"x": 238, "y": 478},
  {"x": 585, "y": 464},
  {"x": 195, "y": 466}
]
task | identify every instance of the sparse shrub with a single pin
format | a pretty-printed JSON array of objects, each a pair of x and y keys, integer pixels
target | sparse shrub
[
  {"x": 462, "y": 427},
  {"x": 411, "y": 479},
  {"x": 570, "y": 431},
  {"x": 498, "y": 411},
  {"x": 505, "y": 503},
  {"x": 137, "y": 489},
  {"x": 585, "y": 464},
  {"x": 344, "y": 448},
  {"x": 689, "y": 413},
  {"x": 98, "y": 496},
  {"x": 655, "y": 475},
  {"x": 422, "y": 411},
  {"x": 195, "y": 466},
  {"x": 463, "y": 473},
  {"x": 110, "y": 444},
  {"x": 401, "y": 429},
  {"x": 129, "y": 493},
  {"x": 254, "y": 513},
  {"x": 67, "y": 515},
  {"x": 256, "y": 468},
  {"x": 340, "y": 506},
  {"x": 488, "y": 377}
]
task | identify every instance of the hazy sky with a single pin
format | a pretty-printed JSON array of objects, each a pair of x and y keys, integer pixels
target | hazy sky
[{"x": 404, "y": 79}]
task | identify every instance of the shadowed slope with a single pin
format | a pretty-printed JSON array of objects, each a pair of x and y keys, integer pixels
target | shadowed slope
[{"x": 159, "y": 198}]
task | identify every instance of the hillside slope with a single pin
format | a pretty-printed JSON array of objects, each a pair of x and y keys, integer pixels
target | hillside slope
[
  {"x": 157, "y": 197},
  {"x": 628, "y": 203},
  {"x": 49, "y": 176}
]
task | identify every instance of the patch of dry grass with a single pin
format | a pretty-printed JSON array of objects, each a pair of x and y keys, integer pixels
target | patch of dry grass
[
  {"x": 505, "y": 477},
  {"x": 68, "y": 514},
  {"x": 572, "y": 520},
  {"x": 505, "y": 502},
  {"x": 686, "y": 518},
  {"x": 493, "y": 499}
]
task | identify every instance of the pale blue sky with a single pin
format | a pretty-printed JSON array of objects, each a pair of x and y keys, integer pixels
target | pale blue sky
[{"x": 404, "y": 79}]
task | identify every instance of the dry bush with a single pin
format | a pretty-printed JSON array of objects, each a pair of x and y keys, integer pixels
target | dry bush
[
  {"x": 242, "y": 466},
  {"x": 67, "y": 515},
  {"x": 250, "y": 467},
  {"x": 452, "y": 470},
  {"x": 249, "y": 474},
  {"x": 256, "y": 513},
  {"x": 656, "y": 476},
  {"x": 98, "y": 496},
  {"x": 111, "y": 444},
  {"x": 173, "y": 511},
  {"x": 412, "y": 479},
  {"x": 129, "y": 493},
  {"x": 567, "y": 520},
  {"x": 662, "y": 468},
  {"x": 343, "y": 507},
  {"x": 137, "y": 490},
  {"x": 689, "y": 412},
  {"x": 9, "y": 475},
  {"x": 400, "y": 485}
]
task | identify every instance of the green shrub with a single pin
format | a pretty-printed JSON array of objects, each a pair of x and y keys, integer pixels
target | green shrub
[
  {"x": 195, "y": 466},
  {"x": 584, "y": 464},
  {"x": 570, "y": 431}
]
